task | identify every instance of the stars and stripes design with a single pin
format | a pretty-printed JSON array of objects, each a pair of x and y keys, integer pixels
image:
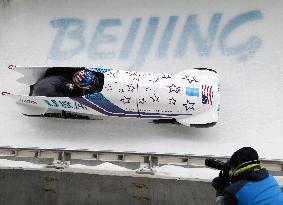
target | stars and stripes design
[
  {"x": 189, "y": 105},
  {"x": 112, "y": 74},
  {"x": 173, "y": 88},
  {"x": 166, "y": 76},
  {"x": 108, "y": 87},
  {"x": 131, "y": 88},
  {"x": 172, "y": 101},
  {"x": 154, "y": 80},
  {"x": 147, "y": 89},
  {"x": 189, "y": 79},
  {"x": 207, "y": 94},
  {"x": 151, "y": 93},
  {"x": 126, "y": 100},
  {"x": 135, "y": 76},
  {"x": 142, "y": 101},
  {"x": 155, "y": 98},
  {"x": 131, "y": 73}
]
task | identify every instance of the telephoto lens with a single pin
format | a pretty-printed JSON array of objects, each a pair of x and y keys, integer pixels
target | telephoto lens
[{"x": 215, "y": 163}]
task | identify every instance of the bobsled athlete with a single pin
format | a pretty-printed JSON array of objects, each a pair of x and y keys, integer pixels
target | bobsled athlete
[
  {"x": 67, "y": 82},
  {"x": 248, "y": 183}
]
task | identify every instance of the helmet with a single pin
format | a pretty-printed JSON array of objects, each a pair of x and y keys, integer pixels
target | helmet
[{"x": 84, "y": 79}]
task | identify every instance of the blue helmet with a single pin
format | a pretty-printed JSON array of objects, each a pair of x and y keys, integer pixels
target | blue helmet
[{"x": 84, "y": 79}]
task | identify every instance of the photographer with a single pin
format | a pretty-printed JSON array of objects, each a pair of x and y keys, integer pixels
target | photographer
[{"x": 246, "y": 183}]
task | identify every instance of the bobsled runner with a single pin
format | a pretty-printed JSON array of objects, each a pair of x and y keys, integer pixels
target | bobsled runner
[{"x": 191, "y": 97}]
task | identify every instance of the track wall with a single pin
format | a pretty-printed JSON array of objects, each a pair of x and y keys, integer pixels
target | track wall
[{"x": 69, "y": 188}]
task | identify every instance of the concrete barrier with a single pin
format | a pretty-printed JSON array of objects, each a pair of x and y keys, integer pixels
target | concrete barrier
[{"x": 70, "y": 187}]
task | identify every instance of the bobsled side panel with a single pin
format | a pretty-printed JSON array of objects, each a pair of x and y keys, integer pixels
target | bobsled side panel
[
  {"x": 118, "y": 96},
  {"x": 209, "y": 93},
  {"x": 190, "y": 97},
  {"x": 154, "y": 94},
  {"x": 120, "y": 88},
  {"x": 170, "y": 94}
]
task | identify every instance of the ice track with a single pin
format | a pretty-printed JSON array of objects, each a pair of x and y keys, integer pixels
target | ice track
[{"x": 241, "y": 41}]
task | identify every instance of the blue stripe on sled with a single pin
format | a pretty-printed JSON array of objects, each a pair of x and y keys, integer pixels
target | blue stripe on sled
[{"x": 102, "y": 105}]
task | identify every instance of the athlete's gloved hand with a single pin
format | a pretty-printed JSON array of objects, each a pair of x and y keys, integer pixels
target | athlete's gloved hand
[{"x": 70, "y": 86}]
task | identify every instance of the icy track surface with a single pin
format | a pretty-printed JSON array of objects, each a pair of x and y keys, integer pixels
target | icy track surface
[
  {"x": 127, "y": 135},
  {"x": 241, "y": 41}
]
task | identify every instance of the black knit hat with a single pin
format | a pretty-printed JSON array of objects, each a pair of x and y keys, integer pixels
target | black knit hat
[{"x": 245, "y": 154}]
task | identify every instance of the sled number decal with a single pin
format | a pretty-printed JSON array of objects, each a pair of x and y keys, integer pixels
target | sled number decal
[
  {"x": 28, "y": 101},
  {"x": 65, "y": 104}
]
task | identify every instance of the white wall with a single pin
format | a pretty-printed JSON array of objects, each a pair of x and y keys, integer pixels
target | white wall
[{"x": 240, "y": 39}]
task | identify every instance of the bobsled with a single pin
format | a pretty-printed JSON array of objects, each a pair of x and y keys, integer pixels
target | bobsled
[{"x": 191, "y": 97}]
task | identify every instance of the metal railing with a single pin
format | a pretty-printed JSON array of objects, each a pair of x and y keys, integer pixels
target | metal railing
[{"x": 128, "y": 159}]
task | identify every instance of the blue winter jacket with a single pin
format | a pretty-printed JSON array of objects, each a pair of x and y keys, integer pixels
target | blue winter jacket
[{"x": 255, "y": 188}]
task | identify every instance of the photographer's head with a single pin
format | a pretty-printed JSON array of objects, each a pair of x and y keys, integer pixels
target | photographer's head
[{"x": 244, "y": 160}]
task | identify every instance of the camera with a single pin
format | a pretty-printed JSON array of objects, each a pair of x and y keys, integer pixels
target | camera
[
  {"x": 223, "y": 180},
  {"x": 217, "y": 164}
]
